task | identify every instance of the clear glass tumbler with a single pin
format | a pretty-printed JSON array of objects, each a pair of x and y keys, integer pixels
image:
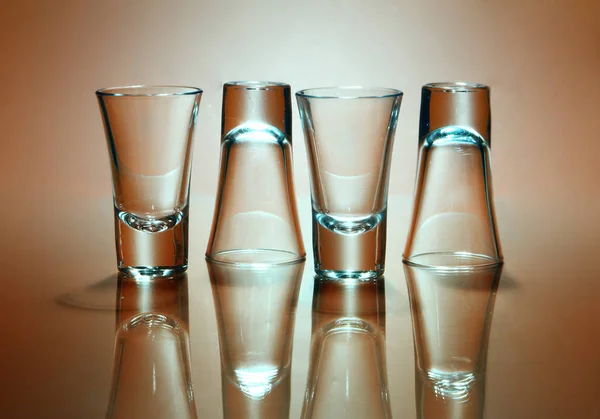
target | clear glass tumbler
[
  {"x": 150, "y": 132},
  {"x": 349, "y": 133},
  {"x": 255, "y": 218},
  {"x": 453, "y": 223}
]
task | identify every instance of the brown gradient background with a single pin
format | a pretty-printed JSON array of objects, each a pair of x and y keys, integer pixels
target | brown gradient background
[{"x": 541, "y": 59}]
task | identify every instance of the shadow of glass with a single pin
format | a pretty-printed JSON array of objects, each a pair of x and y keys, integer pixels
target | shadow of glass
[{"x": 98, "y": 296}]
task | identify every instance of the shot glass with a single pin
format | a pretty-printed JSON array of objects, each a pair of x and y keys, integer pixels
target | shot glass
[
  {"x": 453, "y": 222},
  {"x": 349, "y": 133},
  {"x": 150, "y": 130},
  {"x": 255, "y": 218}
]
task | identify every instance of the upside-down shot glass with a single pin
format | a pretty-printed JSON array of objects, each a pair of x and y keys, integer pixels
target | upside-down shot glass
[
  {"x": 453, "y": 222},
  {"x": 349, "y": 133},
  {"x": 255, "y": 218},
  {"x": 150, "y": 130}
]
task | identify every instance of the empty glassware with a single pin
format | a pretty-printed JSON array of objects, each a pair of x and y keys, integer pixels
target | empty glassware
[
  {"x": 150, "y": 132},
  {"x": 453, "y": 223},
  {"x": 255, "y": 218},
  {"x": 349, "y": 133}
]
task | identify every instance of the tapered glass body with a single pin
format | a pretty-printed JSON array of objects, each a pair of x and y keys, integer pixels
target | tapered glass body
[
  {"x": 152, "y": 368},
  {"x": 150, "y": 132},
  {"x": 255, "y": 218},
  {"x": 453, "y": 222},
  {"x": 349, "y": 133},
  {"x": 347, "y": 372},
  {"x": 451, "y": 315},
  {"x": 255, "y": 309}
]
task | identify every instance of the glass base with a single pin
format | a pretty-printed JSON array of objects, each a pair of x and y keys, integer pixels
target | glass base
[
  {"x": 359, "y": 254},
  {"x": 152, "y": 271},
  {"x": 345, "y": 275},
  {"x": 151, "y": 247}
]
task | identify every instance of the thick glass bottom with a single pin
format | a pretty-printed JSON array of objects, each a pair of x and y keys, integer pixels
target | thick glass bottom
[
  {"x": 349, "y": 251},
  {"x": 151, "y": 247},
  {"x": 345, "y": 275},
  {"x": 152, "y": 271}
]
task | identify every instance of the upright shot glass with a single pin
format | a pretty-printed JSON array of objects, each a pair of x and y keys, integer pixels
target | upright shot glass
[
  {"x": 349, "y": 133},
  {"x": 150, "y": 130}
]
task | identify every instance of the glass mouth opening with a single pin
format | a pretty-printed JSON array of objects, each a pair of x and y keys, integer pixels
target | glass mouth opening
[
  {"x": 349, "y": 92},
  {"x": 456, "y": 87},
  {"x": 452, "y": 261},
  {"x": 255, "y": 85},
  {"x": 255, "y": 258},
  {"x": 148, "y": 91}
]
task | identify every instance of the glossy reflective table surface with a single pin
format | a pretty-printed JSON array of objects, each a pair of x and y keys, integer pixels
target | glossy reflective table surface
[{"x": 78, "y": 342}]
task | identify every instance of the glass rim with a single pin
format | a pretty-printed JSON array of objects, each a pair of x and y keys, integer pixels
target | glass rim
[
  {"x": 123, "y": 91},
  {"x": 384, "y": 92},
  {"x": 456, "y": 87},
  {"x": 255, "y": 84},
  {"x": 488, "y": 262}
]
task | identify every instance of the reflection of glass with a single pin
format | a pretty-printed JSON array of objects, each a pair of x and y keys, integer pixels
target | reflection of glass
[
  {"x": 152, "y": 377},
  {"x": 150, "y": 131},
  {"x": 255, "y": 216},
  {"x": 349, "y": 133},
  {"x": 347, "y": 374},
  {"x": 255, "y": 307},
  {"x": 453, "y": 222},
  {"x": 451, "y": 314}
]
